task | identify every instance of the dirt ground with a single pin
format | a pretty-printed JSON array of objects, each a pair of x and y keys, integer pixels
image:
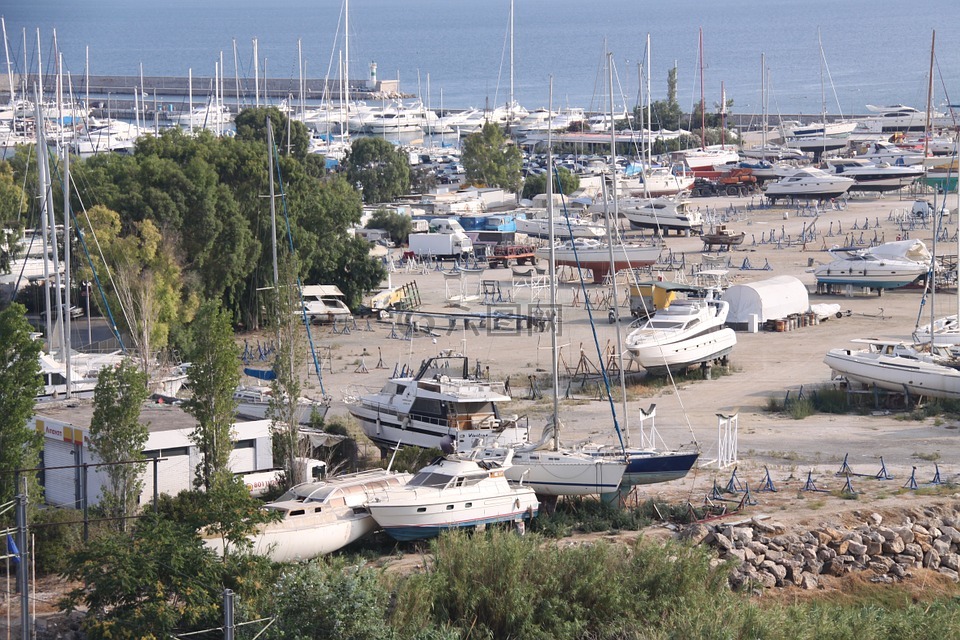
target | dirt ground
[{"x": 764, "y": 367}]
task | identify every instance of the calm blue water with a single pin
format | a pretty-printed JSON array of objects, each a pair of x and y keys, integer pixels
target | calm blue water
[{"x": 877, "y": 51}]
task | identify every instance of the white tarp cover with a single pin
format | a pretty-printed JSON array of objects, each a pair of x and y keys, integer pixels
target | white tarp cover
[{"x": 770, "y": 299}]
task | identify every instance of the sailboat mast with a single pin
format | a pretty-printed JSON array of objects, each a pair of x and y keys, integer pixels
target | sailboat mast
[
  {"x": 42, "y": 167},
  {"x": 763, "y": 105},
  {"x": 610, "y": 223},
  {"x": 256, "y": 73},
  {"x": 346, "y": 57},
  {"x": 510, "y": 109},
  {"x": 66, "y": 272},
  {"x": 6, "y": 53},
  {"x": 273, "y": 204},
  {"x": 649, "y": 112},
  {"x": 926, "y": 137},
  {"x": 552, "y": 274},
  {"x": 703, "y": 110}
]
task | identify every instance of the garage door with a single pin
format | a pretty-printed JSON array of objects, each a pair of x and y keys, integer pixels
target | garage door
[{"x": 61, "y": 486}]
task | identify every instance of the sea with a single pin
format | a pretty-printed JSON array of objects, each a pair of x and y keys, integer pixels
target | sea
[{"x": 833, "y": 56}]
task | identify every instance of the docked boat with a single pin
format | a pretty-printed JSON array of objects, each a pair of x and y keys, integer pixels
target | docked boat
[
  {"x": 688, "y": 332},
  {"x": 595, "y": 255},
  {"x": 882, "y": 151},
  {"x": 452, "y": 492},
  {"x": 888, "y": 266},
  {"x": 317, "y": 518},
  {"x": 441, "y": 401},
  {"x": 209, "y": 116},
  {"x": 663, "y": 215},
  {"x": 893, "y": 118},
  {"x": 896, "y": 366},
  {"x": 875, "y": 176},
  {"x": 808, "y": 182}
]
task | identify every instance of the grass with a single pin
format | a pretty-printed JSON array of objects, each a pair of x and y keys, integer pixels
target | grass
[{"x": 929, "y": 457}]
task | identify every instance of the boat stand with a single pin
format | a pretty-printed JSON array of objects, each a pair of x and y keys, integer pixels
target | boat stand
[
  {"x": 767, "y": 483},
  {"x": 912, "y": 482},
  {"x": 809, "y": 485},
  {"x": 848, "y": 488},
  {"x": 734, "y": 485}
]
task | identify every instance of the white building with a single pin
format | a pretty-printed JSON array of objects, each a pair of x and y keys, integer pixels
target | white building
[{"x": 66, "y": 444}]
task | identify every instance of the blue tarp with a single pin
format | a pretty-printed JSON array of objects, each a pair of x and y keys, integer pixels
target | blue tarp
[{"x": 260, "y": 374}]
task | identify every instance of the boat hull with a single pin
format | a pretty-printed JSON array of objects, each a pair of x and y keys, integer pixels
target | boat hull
[
  {"x": 416, "y": 519},
  {"x": 659, "y": 358},
  {"x": 895, "y": 373},
  {"x": 553, "y": 474}
]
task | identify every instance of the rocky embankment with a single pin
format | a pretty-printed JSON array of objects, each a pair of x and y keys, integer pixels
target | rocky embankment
[{"x": 767, "y": 554}]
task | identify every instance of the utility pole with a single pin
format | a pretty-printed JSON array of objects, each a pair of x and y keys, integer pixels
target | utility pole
[
  {"x": 228, "y": 622},
  {"x": 23, "y": 569}
]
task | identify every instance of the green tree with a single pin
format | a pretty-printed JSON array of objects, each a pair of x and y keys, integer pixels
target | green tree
[
  {"x": 286, "y": 386},
  {"x": 330, "y": 600},
  {"x": 20, "y": 383},
  {"x": 536, "y": 184},
  {"x": 397, "y": 225},
  {"x": 490, "y": 158},
  {"x": 213, "y": 375},
  {"x": 379, "y": 169},
  {"x": 251, "y": 126},
  {"x": 666, "y": 113},
  {"x": 159, "y": 581},
  {"x": 13, "y": 204},
  {"x": 117, "y": 435}
]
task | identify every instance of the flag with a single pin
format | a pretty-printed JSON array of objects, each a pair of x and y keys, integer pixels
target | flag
[{"x": 12, "y": 549}]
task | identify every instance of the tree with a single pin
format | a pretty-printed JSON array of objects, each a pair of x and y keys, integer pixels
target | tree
[
  {"x": 666, "y": 113},
  {"x": 381, "y": 171},
  {"x": 286, "y": 386},
  {"x": 490, "y": 158},
  {"x": 13, "y": 204},
  {"x": 214, "y": 375},
  {"x": 251, "y": 126},
  {"x": 117, "y": 435},
  {"x": 397, "y": 225},
  {"x": 20, "y": 383},
  {"x": 536, "y": 184},
  {"x": 158, "y": 581}
]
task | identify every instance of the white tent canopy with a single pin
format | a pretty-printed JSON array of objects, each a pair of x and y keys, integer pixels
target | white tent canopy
[{"x": 770, "y": 299}]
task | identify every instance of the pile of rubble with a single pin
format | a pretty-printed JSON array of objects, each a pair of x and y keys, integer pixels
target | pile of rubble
[{"x": 767, "y": 555}]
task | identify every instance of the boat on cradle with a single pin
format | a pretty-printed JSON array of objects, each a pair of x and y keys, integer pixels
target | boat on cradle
[
  {"x": 883, "y": 151},
  {"x": 808, "y": 182},
  {"x": 837, "y": 129},
  {"x": 702, "y": 162},
  {"x": 452, "y": 492},
  {"x": 875, "y": 176},
  {"x": 896, "y": 366},
  {"x": 662, "y": 215},
  {"x": 442, "y": 400},
  {"x": 722, "y": 238},
  {"x": 655, "y": 182},
  {"x": 646, "y": 465},
  {"x": 317, "y": 518},
  {"x": 690, "y": 331},
  {"x": 772, "y": 152},
  {"x": 563, "y": 226},
  {"x": 888, "y": 266},
  {"x": 253, "y": 402},
  {"x": 595, "y": 255}
]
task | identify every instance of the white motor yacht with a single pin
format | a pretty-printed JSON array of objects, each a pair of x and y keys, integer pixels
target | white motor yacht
[
  {"x": 318, "y": 517},
  {"x": 808, "y": 182},
  {"x": 452, "y": 492},
  {"x": 663, "y": 215},
  {"x": 893, "y": 118},
  {"x": 869, "y": 175},
  {"x": 882, "y": 151},
  {"x": 887, "y": 266},
  {"x": 688, "y": 332},
  {"x": 441, "y": 400}
]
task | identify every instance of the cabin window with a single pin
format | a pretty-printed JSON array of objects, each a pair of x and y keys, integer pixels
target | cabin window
[
  {"x": 298, "y": 512},
  {"x": 318, "y": 510},
  {"x": 421, "y": 509},
  {"x": 449, "y": 507},
  {"x": 468, "y": 505}
]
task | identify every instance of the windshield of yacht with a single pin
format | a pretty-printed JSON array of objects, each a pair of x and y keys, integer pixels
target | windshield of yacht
[{"x": 430, "y": 479}]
